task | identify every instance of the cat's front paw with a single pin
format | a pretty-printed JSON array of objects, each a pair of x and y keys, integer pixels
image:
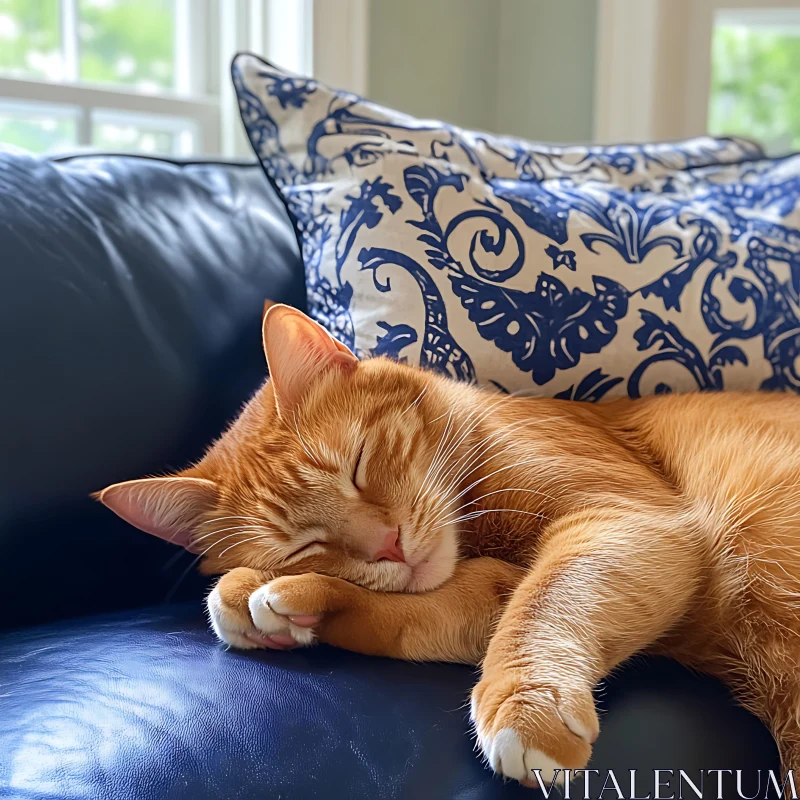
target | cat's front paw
[
  {"x": 278, "y": 622},
  {"x": 247, "y": 615},
  {"x": 525, "y": 725}
]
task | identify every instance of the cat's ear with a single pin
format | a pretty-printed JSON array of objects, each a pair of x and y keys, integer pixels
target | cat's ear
[
  {"x": 170, "y": 508},
  {"x": 298, "y": 351}
]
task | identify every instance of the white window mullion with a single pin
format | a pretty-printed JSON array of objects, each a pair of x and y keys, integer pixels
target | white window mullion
[
  {"x": 256, "y": 28},
  {"x": 233, "y": 35},
  {"x": 186, "y": 45},
  {"x": 71, "y": 69},
  {"x": 228, "y": 25},
  {"x": 84, "y": 126},
  {"x": 69, "y": 39}
]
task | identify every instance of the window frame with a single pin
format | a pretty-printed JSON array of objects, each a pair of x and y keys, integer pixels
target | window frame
[
  {"x": 88, "y": 99},
  {"x": 188, "y": 100},
  {"x": 324, "y": 38}
]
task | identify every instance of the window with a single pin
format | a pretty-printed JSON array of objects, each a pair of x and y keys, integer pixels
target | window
[
  {"x": 37, "y": 128},
  {"x": 136, "y": 75},
  {"x": 669, "y": 69},
  {"x": 755, "y": 64}
]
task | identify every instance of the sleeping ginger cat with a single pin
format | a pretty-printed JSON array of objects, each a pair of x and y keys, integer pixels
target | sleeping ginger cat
[{"x": 388, "y": 510}]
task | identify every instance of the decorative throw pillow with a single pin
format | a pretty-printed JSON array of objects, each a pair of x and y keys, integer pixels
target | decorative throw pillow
[{"x": 579, "y": 272}]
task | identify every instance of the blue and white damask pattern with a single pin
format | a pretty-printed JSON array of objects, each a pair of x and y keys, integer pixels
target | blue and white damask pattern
[{"x": 578, "y": 272}]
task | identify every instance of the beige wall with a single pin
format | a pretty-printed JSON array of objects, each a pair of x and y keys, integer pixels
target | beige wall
[
  {"x": 435, "y": 58},
  {"x": 545, "y": 69},
  {"x": 521, "y": 67}
]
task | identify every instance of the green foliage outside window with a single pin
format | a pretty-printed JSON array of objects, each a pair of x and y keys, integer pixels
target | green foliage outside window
[
  {"x": 129, "y": 42},
  {"x": 120, "y": 41},
  {"x": 30, "y": 40},
  {"x": 755, "y": 85},
  {"x": 125, "y": 42}
]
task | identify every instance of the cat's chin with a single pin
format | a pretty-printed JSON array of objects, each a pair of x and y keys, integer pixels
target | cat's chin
[{"x": 437, "y": 566}]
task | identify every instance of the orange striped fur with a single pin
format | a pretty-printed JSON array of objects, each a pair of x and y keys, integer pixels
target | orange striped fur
[{"x": 547, "y": 540}]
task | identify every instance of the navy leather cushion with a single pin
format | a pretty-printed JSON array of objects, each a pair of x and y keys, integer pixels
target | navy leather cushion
[
  {"x": 131, "y": 291},
  {"x": 146, "y": 706}
]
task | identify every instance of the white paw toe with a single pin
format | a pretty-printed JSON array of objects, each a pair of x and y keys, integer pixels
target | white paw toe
[
  {"x": 507, "y": 755},
  {"x": 271, "y": 616},
  {"x": 224, "y": 626},
  {"x": 548, "y": 768},
  {"x": 509, "y": 758}
]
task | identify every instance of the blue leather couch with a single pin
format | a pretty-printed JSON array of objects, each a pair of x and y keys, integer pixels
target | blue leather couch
[{"x": 130, "y": 297}]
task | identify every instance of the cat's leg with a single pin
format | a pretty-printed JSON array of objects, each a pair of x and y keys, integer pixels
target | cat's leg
[
  {"x": 606, "y": 583},
  {"x": 451, "y": 623}
]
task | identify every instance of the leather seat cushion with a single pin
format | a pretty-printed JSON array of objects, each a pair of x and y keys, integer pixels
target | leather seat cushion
[{"x": 146, "y": 706}]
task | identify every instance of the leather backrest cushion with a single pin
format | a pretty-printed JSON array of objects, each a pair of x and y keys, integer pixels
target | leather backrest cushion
[{"x": 131, "y": 292}]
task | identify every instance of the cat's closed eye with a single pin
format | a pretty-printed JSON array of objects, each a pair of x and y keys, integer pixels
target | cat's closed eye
[
  {"x": 303, "y": 549},
  {"x": 359, "y": 472}
]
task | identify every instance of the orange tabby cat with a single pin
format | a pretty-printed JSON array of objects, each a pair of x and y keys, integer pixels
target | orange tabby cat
[{"x": 388, "y": 510}]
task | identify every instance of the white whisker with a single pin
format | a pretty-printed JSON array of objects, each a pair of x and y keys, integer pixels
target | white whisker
[
  {"x": 218, "y": 542},
  {"x": 488, "y": 494},
  {"x": 221, "y": 530},
  {"x": 474, "y": 454},
  {"x": 471, "y": 422},
  {"x": 495, "y": 472},
  {"x": 418, "y": 398},
  {"x": 435, "y": 455},
  {"x": 235, "y": 516},
  {"x": 476, "y": 514},
  {"x": 245, "y": 541}
]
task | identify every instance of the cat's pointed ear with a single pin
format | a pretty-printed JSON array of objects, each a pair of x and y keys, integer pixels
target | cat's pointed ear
[
  {"x": 298, "y": 351},
  {"x": 170, "y": 508}
]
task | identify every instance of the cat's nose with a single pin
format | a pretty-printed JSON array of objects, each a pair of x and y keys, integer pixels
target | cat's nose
[{"x": 390, "y": 548}]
